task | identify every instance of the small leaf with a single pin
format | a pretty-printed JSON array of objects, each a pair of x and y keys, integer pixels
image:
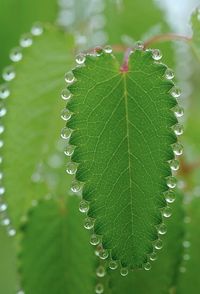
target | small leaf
[
  {"x": 56, "y": 256},
  {"x": 122, "y": 129},
  {"x": 165, "y": 269},
  {"x": 32, "y": 166},
  {"x": 189, "y": 271}
]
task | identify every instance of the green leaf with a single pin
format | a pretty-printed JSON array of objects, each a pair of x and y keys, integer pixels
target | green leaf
[
  {"x": 9, "y": 283},
  {"x": 122, "y": 129},
  {"x": 56, "y": 256},
  {"x": 32, "y": 153},
  {"x": 28, "y": 12},
  {"x": 163, "y": 275},
  {"x": 189, "y": 279},
  {"x": 195, "y": 42}
]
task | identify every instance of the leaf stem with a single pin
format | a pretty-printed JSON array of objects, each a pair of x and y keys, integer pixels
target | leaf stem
[{"x": 166, "y": 37}]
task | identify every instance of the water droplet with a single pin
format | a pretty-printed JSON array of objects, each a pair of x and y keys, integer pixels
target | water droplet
[
  {"x": 139, "y": 45},
  {"x": 2, "y": 190},
  {"x": 76, "y": 186},
  {"x": 66, "y": 133},
  {"x": 103, "y": 253},
  {"x": 167, "y": 212},
  {"x": 162, "y": 229},
  {"x": 8, "y": 73},
  {"x": 1, "y": 143},
  {"x": 94, "y": 240},
  {"x": 26, "y": 40},
  {"x": 69, "y": 150},
  {"x": 170, "y": 196},
  {"x": 99, "y": 289},
  {"x": 169, "y": 74},
  {"x": 108, "y": 49},
  {"x": 113, "y": 264},
  {"x": 66, "y": 94},
  {"x": 175, "y": 92},
  {"x": 37, "y": 29},
  {"x": 153, "y": 256},
  {"x": 178, "y": 129},
  {"x": 158, "y": 244},
  {"x": 156, "y": 54},
  {"x": 5, "y": 222},
  {"x": 20, "y": 292},
  {"x": 80, "y": 59},
  {"x": 124, "y": 271},
  {"x": 69, "y": 77},
  {"x": 99, "y": 51},
  {"x": 174, "y": 164},
  {"x": 4, "y": 92},
  {"x": 177, "y": 149},
  {"x": 178, "y": 111},
  {"x": 3, "y": 207},
  {"x": 186, "y": 257},
  {"x": 11, "y": 232},
  {"x": 186, "y": 244},
  {"x": 1, "y": 129},
  {"x": 16, "y": 54},
  {"x": 101, "y": 272},
  {"x": 89, "y": 223},
  {"x": 71, "y": 168},
  {"x": 66, "y": 114},
  {"x": 3, "y": 112},
  {"x": 84, "y": 206},
  {"x": 171, "y": 182},
  {"x": 147, "y": 266}
]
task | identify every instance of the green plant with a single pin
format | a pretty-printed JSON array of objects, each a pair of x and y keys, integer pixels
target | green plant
[{"x": 123, "y": 116}]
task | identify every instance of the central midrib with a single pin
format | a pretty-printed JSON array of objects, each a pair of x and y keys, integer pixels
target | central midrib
[{"x": 128, "y": 144}]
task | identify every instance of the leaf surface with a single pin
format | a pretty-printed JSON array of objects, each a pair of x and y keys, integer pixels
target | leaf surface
[
  {"x": 163, "y": 275},
  {"x": 32, "y": 153},
  {"x": 56, "y": 256},
  {"x": 122, "y": 129}
]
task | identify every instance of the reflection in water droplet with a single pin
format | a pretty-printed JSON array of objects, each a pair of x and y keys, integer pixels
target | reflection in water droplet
[
  {"x": 177, "y": 149},
  {"x": 171, "y": 182},
  {"x": 66, "y": 94},
  {"x": 89, "y": 223},
  {"x": 170, "y": 196},
  {"x": 37, "y": 29},
  {"x": 5, "y": 222},
  {"x": 174, "y": 164},
  {"x": 169, "y": 74},
  {"x": 16, "y": 54},
  {"x": 8, "y": 73},
  {"x": 84, "y": 206},
  {"x": 4, "y": 92},
  {"x": 178, "y": 129},
  {"x": 69, "y": 150},
  {"x": 113, "y": 264},
  {"x": 158, "y": 244},
  {"x": 101, "y": 272},
  {"x": 124, "y": 271},
  {"x": 66, "y": 114},
  {"x": 175, "y": 92},
  {"x": 156, "y": 54},
  {"x": 147, "y": 266},
  {"x": 103, "y": 253},
  {"x": 153, "y": 256},
  {"x": 76, "y": 186},
  {"x": 108, "y": 49},
  {"x": 167, "y": 212},
  {"x": 140, "y": 45},
  {"x": 80, "y": 59},
  {"x": 69, "y": 77},
  {"x": 162, "y": 229},
  {"x": 94, "y": 240},
  {"x": 178, "y": 110},
  {"x": 71, "y": 168},
  {"x": 3, "y": 207},
  {"x": 1, "y": 129},
  {"x": 66, "y": 133},
  {"x": 26, "y": 40},
  {"x": 11, "y": 232},
  {"x": 2, "y": 190},
  {"x": 99, "y": 289}
]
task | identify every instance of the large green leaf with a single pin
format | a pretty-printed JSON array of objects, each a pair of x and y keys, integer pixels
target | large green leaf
[
  {"x": 189, "y": 276},
  {"x": 122, "y": 129},
  {"x": 56, "y": 257},
  {"x": 163, "y": 275},
  {"x": 28, "y": 12},
  {"x": 32, "y": 159}
]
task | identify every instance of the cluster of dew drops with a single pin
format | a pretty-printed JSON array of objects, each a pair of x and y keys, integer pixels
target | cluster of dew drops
[
  {"x": 77, "y": 186},
  {"x": 8, "y": 75}
]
